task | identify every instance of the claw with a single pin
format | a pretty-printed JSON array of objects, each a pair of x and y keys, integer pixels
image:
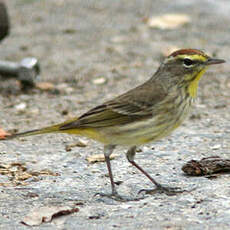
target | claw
[
  {"x": 117, "y": 197},
  {"x": 170, "y": 191}
]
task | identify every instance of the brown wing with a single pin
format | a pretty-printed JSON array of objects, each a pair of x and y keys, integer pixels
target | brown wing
[{"x": 136, "y": 104}]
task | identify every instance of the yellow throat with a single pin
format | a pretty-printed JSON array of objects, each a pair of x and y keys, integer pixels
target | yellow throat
[{"x": 192, "y": 88}]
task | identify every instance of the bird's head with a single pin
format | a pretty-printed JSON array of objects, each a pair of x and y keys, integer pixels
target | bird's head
[{"x": 185, "y": 67}]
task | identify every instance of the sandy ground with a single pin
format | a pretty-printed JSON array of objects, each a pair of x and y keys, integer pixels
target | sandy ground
[{"x": 91, "y": 51}]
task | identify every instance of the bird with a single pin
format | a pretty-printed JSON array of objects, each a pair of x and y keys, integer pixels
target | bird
[{"x": 144, "y": 114}]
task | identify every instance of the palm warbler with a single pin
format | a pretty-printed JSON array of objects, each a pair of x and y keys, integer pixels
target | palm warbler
[{"x": 144, "y": 114}]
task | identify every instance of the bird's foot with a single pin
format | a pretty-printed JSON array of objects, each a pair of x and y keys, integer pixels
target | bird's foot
[
  {"x": 170, "y": 191},
  {"x": 117, "y": 197}
]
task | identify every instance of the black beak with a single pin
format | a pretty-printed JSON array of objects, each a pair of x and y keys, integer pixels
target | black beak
[{"x": 214, "y": 61}]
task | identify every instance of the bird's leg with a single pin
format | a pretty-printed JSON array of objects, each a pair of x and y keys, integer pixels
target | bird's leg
[
  {"x": 108, "y": 149},
  {"x": 159, "y": 188}
]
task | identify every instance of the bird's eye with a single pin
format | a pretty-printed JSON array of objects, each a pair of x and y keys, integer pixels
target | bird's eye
[{"x": 188, "y": 62}]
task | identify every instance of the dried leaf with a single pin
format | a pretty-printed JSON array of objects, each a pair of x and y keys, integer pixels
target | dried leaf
[
  {"x": 22, "y": 176},
  {"x": 3, "y": 134},
  {"x": 168, "y": 21},
  {"x": 81, "y": 143},
  {"x": 46, "y": 86},
  {"x": 45, "y": 172},
  {"x": 18, "y": 174},
  {"x": 99, "y": 158},
  {"x": 46, "y": 214},
  {"x": 206, "y": 166}
]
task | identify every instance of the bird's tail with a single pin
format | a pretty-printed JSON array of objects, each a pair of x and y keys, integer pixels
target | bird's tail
[
  {"x": 64, "y": 127},
  {"x": 49, "y": 129}
]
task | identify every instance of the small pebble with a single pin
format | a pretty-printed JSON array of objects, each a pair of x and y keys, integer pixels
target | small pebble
[
  {"x": 20, "y": 107},
  {"x": 99, "y": 81},
  {"x": 215, "y": 147}
]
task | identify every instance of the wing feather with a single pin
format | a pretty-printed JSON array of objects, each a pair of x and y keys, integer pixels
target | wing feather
[{"x": 134, "y": 105}]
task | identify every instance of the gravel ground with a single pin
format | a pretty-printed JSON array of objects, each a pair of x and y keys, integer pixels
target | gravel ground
[{"x": 91, "y": 51}]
